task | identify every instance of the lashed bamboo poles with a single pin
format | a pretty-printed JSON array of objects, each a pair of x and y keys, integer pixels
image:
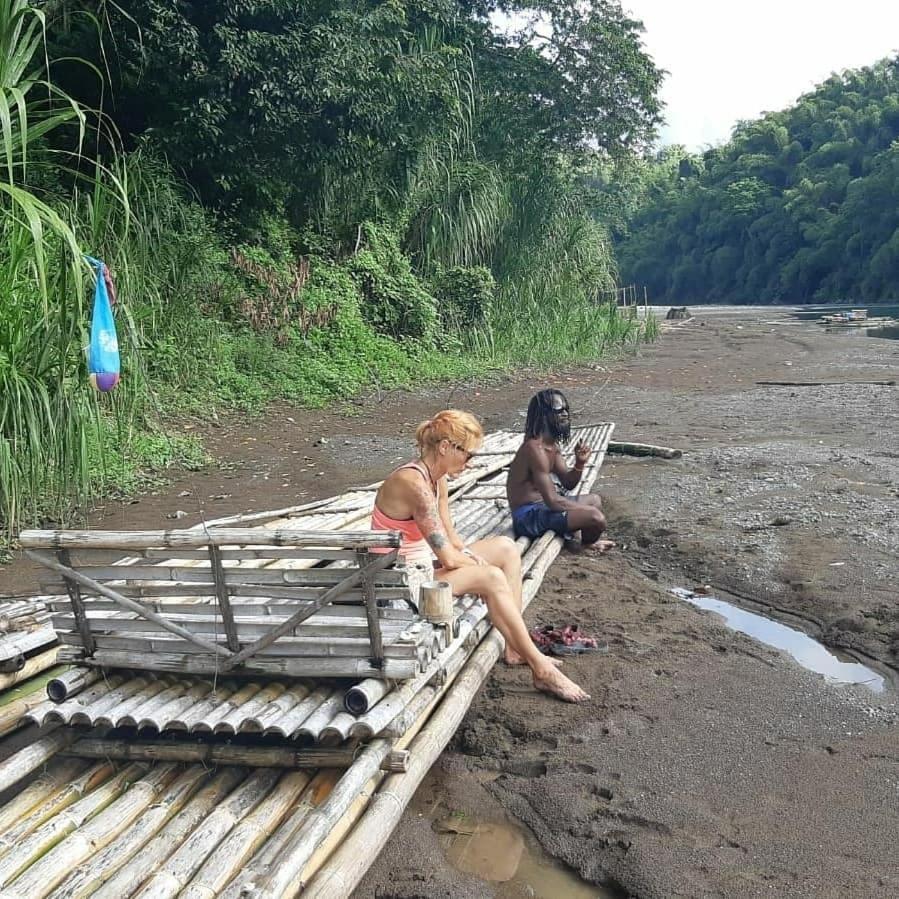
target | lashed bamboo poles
[
  {"x": 80, "y": 785},
  {"x": 173, "y": 875},
  {"x": 87, "y": 878},
  {"x": 57, "y": 786},
  {"x": 43, "y": 875},
  {"x": 246, "y": 838},
  {"x": 27, "y": 851},
  {"x": 124, "y": 881},
  {"x": 417, "y": 699}
]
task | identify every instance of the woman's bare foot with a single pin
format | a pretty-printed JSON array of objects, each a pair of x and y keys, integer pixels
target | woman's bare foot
[
  {"x": 555, "y": 683},
  {"x": 513, "y": 659}
]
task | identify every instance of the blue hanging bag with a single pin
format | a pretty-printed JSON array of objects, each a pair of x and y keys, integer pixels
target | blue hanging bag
[{"x": 103, "y": 351}]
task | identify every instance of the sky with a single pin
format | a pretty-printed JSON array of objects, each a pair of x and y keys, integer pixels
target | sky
[{"x": 735, "y": 59}]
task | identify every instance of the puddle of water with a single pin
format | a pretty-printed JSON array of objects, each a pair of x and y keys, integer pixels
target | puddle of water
[
  {"x": 808, "y": 652},
  {"x": 501, "y": 855}
]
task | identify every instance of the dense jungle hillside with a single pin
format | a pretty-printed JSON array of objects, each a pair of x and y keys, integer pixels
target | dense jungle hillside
[
  {"x": 297, "y": 199},
  {"x": 801, "y": 205}
]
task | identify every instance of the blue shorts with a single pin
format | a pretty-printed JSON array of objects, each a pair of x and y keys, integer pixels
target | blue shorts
[{"x": 535, "y": 519}]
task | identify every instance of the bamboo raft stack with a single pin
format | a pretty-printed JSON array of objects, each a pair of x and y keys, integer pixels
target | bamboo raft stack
[{"x": 246, "y": 783}]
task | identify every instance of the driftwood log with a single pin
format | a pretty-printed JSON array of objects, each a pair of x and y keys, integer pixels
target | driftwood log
[
  {"x": 886, "y": 383},
  {"x": 626, "y": 448}
]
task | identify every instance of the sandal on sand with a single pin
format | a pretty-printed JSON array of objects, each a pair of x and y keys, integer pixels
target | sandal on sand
[{"x": 569, "y": 640}]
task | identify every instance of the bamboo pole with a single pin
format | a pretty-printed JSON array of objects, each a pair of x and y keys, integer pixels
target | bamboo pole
[
  {"x": 627, "y": 448},
  {"x": 174, "y": 874},
  {"x": 241, "y": 844},
  {"x": 362, "y": 696},
  {"x": 14, "y": 647},
  {"x": 35, "y": 539},
  {"x": 247, "y": 756},
  {"x": 87, "y": 879},
  {"x": 82, "y": 783},
  {"x": 31, "y": 757},
  {"x": 162, "y": 843},
  {"x": 41, "y": 790},
  {"x": 34, "y": 665},
  {"x": 70, "y": 682},
  {"x": 53, "y": 867}
]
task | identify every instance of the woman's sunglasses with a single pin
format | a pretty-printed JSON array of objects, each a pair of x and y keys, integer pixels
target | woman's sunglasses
[{"x": 469, "y": 454}]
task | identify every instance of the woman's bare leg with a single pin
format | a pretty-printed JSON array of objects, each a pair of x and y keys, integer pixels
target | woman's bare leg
[
  {"x": 489, "y": 581},
  {"x": 502, "y": 552}
]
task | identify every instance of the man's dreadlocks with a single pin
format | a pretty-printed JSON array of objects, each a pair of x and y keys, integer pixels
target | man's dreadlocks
[{"x": 543, "y": 419}]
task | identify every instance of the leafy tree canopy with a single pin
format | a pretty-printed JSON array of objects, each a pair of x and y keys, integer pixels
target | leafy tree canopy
[{"x": 800, "y": 205}]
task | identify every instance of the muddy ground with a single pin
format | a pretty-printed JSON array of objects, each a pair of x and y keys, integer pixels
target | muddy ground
[{"x": 705, "y": 764}]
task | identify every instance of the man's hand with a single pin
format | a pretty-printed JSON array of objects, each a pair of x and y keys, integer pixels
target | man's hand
[{"x": 582, "y": 453}]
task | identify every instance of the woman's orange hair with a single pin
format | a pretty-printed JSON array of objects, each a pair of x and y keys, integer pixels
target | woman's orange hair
[{"x": 460, "y": 428}]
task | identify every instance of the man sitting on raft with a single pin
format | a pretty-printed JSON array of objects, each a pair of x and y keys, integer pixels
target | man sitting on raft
[
  {"x": 414, "y": 501},
  {"x": 536, "y": 505}
]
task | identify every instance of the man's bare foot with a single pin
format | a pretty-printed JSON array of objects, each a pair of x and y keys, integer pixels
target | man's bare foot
[
  {"x": 599, "y": 547},
  {"x": 555, "y": 683},
  {"x": 513, "y": 659}
]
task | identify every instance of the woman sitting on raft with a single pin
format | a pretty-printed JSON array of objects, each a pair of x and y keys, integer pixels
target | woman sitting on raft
[{"x": 414, "y": 501}]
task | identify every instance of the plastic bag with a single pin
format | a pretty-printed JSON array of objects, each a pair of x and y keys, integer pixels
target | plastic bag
[{"x": 103, "y": 362}]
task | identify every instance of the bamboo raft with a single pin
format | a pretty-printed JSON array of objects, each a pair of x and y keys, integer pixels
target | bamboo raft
[{"x": 163, "y": 776}]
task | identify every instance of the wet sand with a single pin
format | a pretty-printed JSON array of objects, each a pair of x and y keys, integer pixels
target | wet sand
[{"x": 706, "y": 764}]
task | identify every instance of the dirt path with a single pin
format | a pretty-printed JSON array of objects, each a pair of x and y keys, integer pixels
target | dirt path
[{"x": 706, "y": 764}]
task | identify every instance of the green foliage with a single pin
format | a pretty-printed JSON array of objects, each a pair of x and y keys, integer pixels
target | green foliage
[
  {"x": 336, "y": 163},
  {"x": 798, "y": 206},
  {"x": 394, "y": 301},
  {"x": 464, "y": 296}
]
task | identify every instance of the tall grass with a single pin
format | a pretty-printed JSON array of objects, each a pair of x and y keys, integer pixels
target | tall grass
[
  {"x": 553, "y": 262},
  {"x": 45, "y": 424}
]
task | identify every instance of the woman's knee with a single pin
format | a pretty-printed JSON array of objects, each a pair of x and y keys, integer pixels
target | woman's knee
[
  {"x": 508, "y": 552},
  {"x": 494, "y": 580}
]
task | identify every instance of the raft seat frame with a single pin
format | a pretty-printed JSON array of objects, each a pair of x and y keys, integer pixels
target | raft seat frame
[{"x": 237, "y": 601}]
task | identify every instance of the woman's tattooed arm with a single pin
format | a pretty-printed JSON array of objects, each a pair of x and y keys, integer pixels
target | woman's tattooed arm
[{"x": 426, "y": 513}]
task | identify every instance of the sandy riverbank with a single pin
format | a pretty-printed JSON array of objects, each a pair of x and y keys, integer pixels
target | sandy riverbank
[{"x": 707, "y": 764}]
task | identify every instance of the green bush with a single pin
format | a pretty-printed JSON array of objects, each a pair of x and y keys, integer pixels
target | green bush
[
  {"x": 464, "y": 295},
  {"x": 394, "y": 301}
]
